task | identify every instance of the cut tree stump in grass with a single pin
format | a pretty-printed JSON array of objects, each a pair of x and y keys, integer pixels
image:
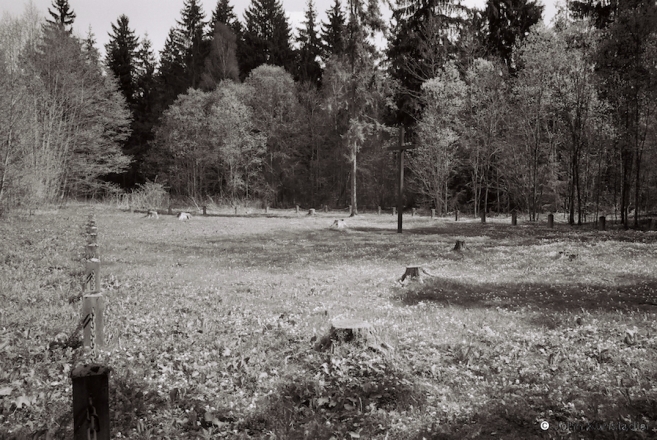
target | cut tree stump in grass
[
  {"x": 91, "y": 417},
  {"x": 311, "y": 212},
  {"x": 205, "y": 212},
  {"x": 459, "y": 246},
  {"x": 412, "y": 273},
  {"x": 186, "y": 215},
  {"x": 349, "y": 330},
  {"x": 339, "y": 224},
  {"x": 152, "y": 214},
  {"x": 325, "y": 208}
]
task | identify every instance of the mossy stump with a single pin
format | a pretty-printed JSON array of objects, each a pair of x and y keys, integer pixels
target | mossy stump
[
  {"x": 412, "y": 273},
  {"x": 459, "y": 246},
  {"x": 346, "y": 330}
]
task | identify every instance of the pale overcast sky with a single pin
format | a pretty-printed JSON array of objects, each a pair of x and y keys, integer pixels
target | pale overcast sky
[{"x": 156, "y": 17}]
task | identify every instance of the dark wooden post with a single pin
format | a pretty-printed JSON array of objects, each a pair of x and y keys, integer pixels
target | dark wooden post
[
  {"x": 92, "y": 251},
  {"x": 514, "y": 218},
  {"x": 204, "y": 211},
  {"x": 93, "y": 321},
  {"x": 550, "y": 220},
  {"x": 603, "y": 223},
  {"x": 400, "y": 195},
  {"x": 378, "y": 210},
  {"x": 433, "y": 213},
  {"x": 92, "y": 276},
  {"x": 91, "y": 402},
  {"x": 483, "y": 216},
  {"x": 456, "y": 215}
]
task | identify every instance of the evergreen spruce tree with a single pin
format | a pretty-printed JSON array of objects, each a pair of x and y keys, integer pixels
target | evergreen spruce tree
[
  {"x": 89, "y": 47},
  {"x": 310, "y": 47},
  {"x": 121, "y": 52},
  {"x": 225, "y": 14},
  {"x": 266, "y": 37},
  {"x": 62, "y": 16},
  {"x": 191, "y": 29},
  {"x": 333, "y": 32},
  {"x": 422, "y": 42},
  {"x": 508, "y": 23}
]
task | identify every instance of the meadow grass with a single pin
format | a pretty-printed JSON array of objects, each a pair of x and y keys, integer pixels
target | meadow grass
[{"x": 213, "y": 322}]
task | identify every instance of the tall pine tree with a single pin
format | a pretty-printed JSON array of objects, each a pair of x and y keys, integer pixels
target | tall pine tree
[
  {"x": 333, "y": 32},
  {"x": 508, "y": 23},
  {"x": 266, "y": 37},
  {"x": 225, "y": 14},
  {"x": 423, "y": 41},
  {"x": 310, "y": 48},
  {"x": 121, "y": 51},
  {"x": 62, "y": 16}
]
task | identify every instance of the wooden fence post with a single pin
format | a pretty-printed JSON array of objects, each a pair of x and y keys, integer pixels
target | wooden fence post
[
  {"x": 603, "y": 223},
  {"x": 93, "y": 311},
  {"x": 514, "y": 218},
  {"x": 433, "y": 213},
  {"x": 91, "y": 402},
  {"x": 378, "y": 210},
  {"x": 550, "y": 220},
  {"x": 483, "y": 216},
  {"x": 456, "y": 215},
  {"x": 92, "y": 251}
]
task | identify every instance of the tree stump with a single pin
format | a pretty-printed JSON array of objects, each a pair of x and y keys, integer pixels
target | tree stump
[
  {"x": 204, "y": 210},
  {"x": 412, "y": 273},
  {"x": 459, "y": 246},
  {"x": 394, "y": 210},
  {"x": 296, "y": 209},
  {"x": 603, "y": 222},
  {"x": 433, "y": 213},
  {"x": 311, "y": 212},
  {"x": 266, "y": 209},
  {"x": 325, "y": 208},
  {"x": 514, "y": 218},
  {"x": 378, "y": 210},
  {"x": 413, "y": 211},
  {"x": 186, "y": 215},
  {"x": 152, "y": 214},
  {"x": 347, "y": 330},
  {"x": 339, "y": 224},
  {"x": 456, "y": 215},
  {"x": 550, "y": 220}
]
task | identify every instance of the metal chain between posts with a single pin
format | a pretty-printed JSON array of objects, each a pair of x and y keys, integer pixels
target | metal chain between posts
[{"x": 92, "y": 421}]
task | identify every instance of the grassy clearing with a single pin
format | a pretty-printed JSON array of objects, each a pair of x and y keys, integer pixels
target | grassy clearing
[{"x": 212, "y": 325}]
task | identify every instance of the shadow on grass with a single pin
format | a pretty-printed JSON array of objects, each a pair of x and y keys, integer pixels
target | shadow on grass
[
  {"x": 520, "y": 419},
  {"x": 638, "y": 293}
]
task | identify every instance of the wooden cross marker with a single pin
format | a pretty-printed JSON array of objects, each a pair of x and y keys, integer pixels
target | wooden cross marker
[{"x": 400, "y": 196}]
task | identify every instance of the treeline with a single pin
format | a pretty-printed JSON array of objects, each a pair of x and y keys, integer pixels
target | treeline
[{"x": 506, "y": 113}]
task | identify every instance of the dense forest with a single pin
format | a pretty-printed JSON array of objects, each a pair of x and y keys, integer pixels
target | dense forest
[{"x": 505, "y": 112}]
